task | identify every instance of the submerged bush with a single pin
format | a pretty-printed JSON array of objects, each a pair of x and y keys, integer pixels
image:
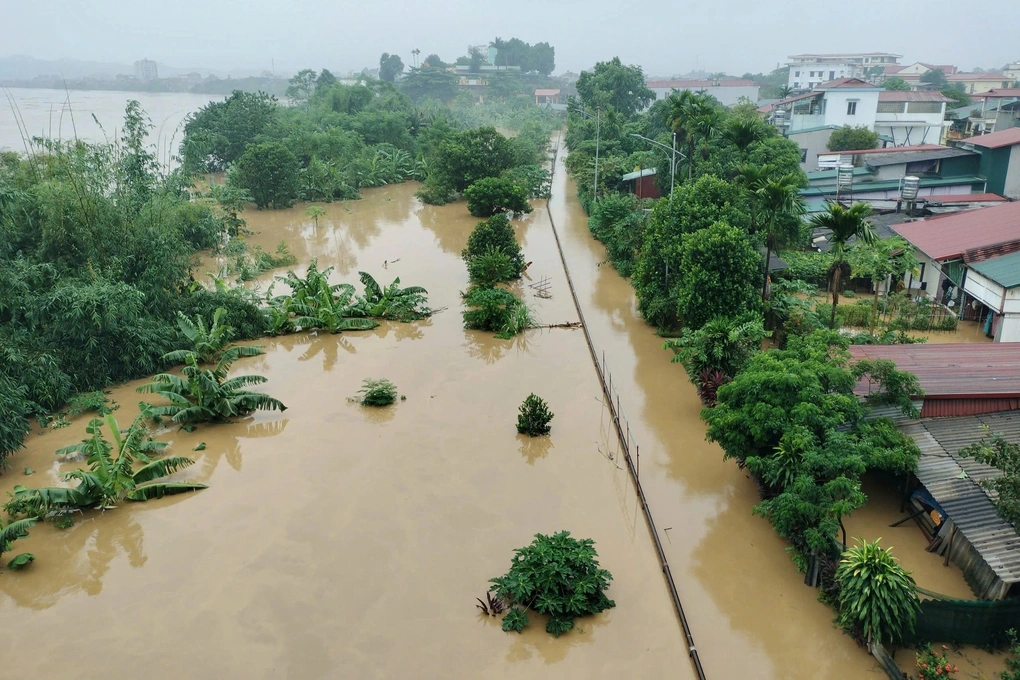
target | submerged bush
[
  {"x": 558, "y": 576},
  {"x": 533, "y": 419},
  {"x": 497, "y": 311},
  {"x": 495, "y": 233},
  {"x": 492, "y": 195},
  {"x": 377, "y": 392},
  {"x": 878, "y": 598},
  {"x": 490, "y": 268}
]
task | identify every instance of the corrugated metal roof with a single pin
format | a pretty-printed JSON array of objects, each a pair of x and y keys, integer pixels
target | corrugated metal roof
[
  {"x": 1004, "y": 270},
  {"x": 889, "y": 149},
  {"x": 953, "y": 482},
  {"x": 630, "y": 176},
  {"x": 946, "y": 237},
  {"x": 952, "y": 370},
  {"x": 848, "y": 84},
  {"x": 912, "y": 96},
  {"x": 880, "y": 159},
  {"x": 996, "y": 140}
]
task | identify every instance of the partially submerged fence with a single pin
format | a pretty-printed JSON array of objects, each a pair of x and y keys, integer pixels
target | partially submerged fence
[
  {"x": 972, "y": 622},
  {"x": 622, "y": 427}
]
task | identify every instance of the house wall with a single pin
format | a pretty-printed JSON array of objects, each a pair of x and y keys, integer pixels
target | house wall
[
  {"x": 982, "y": 86},
  {"x": 994, "y": 167},
  {"x": 984, "y": 290},
  {"x": 930, "y": 274},
  {"x": 807, "y": 76},
  {"x": 909, "y": 128},
  {"x": 836, "y": 101},
  {"x": 811, "y": 145},
  {"x": 1011, "y": 186},
  {"x": 1009, "y": 325}
]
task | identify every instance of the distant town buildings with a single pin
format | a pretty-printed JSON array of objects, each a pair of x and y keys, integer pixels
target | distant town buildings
[
  {"x": 145, "y": 69},
  {"x": 728, "y": 91},
  {"x": 808, "y": 71}
]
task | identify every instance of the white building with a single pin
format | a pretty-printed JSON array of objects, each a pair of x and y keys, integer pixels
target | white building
[
  {"x": 145, "y": 69},
  {"x": 1012, "y": 70},
  {"x": 728, "y": 92},
  {"x": 911, "y": 118},
  {"x": 808, "y": 71}
]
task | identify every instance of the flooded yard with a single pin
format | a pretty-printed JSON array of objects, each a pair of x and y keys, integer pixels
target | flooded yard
[{"x": 338, "y": 541}]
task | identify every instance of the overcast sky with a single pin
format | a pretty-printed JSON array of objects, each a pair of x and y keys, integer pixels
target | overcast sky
[{"x": 664, "y": 36}]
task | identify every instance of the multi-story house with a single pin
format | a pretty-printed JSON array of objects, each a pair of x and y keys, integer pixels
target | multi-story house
[
  {"x": 728, "y": 92},
  {"x": 978, "y": 83},
  {"x": 145, "y": 69},
  {"x": 911, "y": 118},
  {"x": 808, "y": 71}
]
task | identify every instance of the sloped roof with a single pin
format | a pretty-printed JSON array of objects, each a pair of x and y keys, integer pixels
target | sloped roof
[
  {"x": 949, "y": 236},
  {"x": 1004, "y": 270},
  {"x": 912, "y": 96},
  {"x": 999, "y": 93},
  {"x": 958, "y": 370},
  {"x": 847, "y": 83},
  {"x": 631, "y": 176},
  {"x": 888, "y": 149},
  {"x": 996, "y": 140},
  {"x": 976, "y": 76},
  {"x": 546, "y": 93},
  {"x": 893, "y": 68}
]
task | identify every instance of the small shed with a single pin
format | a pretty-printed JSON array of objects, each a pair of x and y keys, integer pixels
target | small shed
[
  {"x": 971, "y": 533},
  {"x": 642, "y": 183},
  {"x": 543, "y": 97}
]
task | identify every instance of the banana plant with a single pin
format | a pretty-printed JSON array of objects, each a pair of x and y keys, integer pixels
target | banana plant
[
  {"x": 207, "y": 394},
  {"x": 13, "y": 531},
  {"x": 110, "y": 477},
  {"x": 393, "y": 302},
  {"x": 207, "y": 342}
]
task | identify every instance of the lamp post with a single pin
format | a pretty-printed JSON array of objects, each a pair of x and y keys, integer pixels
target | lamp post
[{"x": 672, "y": 166}]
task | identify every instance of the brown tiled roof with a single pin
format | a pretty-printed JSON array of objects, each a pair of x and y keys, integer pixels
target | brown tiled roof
[
  {"x": 949, "y": 236},
  {"x": 893, "y": 68},
  {"x": 996, "y": 140},
  {"x": 965, "y": 369},
  {"x": 975, "y": 255},
  {"x": 912, "y": 96}
]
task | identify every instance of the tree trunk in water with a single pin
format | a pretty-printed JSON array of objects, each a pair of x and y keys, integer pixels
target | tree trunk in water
[
  {"x": 835, "y": 293},
  {"x": 765, "y": 284}
]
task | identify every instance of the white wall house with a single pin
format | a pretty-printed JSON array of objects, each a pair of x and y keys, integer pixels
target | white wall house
[
  {"x": 808, "y": 71},
  {"x": 995, "y": 283},
  {"x": 911, "y": 118},
  {"x": 728, "y": 92}
]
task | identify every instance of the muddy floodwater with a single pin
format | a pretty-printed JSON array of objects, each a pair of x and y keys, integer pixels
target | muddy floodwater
[{"x": 336, "y": 541}]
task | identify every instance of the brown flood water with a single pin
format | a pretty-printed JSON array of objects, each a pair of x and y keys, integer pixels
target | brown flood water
[{"x": 341, "y": 542}]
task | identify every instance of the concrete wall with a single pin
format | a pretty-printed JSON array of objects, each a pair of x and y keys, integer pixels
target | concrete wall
[
  {"x": 931, "y": 275},
  {"x": 911, "y": 128},
  {"x": 1011, "y": 188},
  {"x": 727, "y": 96},
  {"x": 836, "y": 107},
  {"x": 811, "y": 144},
  {"x": 807, "y": 76}
]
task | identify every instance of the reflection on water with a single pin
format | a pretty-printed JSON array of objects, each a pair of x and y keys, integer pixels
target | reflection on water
[{"x": 533, "y": 448}]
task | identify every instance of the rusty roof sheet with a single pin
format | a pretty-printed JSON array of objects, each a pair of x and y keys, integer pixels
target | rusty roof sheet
[
  {"x": 954, "y": 482},
  {"x": 996, "y": 140},
  {"x": 912, "y": 96},
  {"x": 949, "y": 236},
  {"x": 952, "y": 370}
]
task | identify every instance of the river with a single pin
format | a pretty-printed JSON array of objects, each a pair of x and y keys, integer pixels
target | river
[
  {"x": 336, "y": 541},
  {"x": 93, "y": 116}
]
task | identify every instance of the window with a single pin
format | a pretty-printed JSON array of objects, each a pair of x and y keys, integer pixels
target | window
[
  {"x": 890, "y": 107},
  {"x": 851, "y": 108},
  {"x": 796, "y": 74},
  {"x": 803, "y": 155},
  {"x": 929, "y": 167},
  {"x": 924, "y": 107},
  {"x": 796, "y": 86},
  {"x": 832, "y": 75}
]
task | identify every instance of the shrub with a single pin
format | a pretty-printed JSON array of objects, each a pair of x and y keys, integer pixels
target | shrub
[
  {"x": 535, "y": 180},
  {"x": 1012, "y": 671},
  {"x": 491, "y": 267},
  {"x": 491, "y": 309},
  {"x": 521, "y": 318},
  {"x": 878, "y": 598},
  {"x": 14, "y": 410},
  {"x": 270, "y": 174},
  {"x": 723, "y": 344},
  {"x": 558, "y": 576},
  {"x": 718, "y": 276},
  {"x": 853, "y": 315},
  {"x": 533, "y": 419},
  {"x": 492, "y": 195},
  {"x": 495, "y": 233},
  {"x": 932, "y": 666},
  {"x": 377, "y": 392}
]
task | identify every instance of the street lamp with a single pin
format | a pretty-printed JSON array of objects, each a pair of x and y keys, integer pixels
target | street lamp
[{"x": 672, "y": 167}]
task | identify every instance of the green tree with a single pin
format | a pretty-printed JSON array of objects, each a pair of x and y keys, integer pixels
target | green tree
[
  {"x": 879, "y": 260},
  {"x": 877, "y": 596},
  {"x": 208, "y": 394},
  {"x": 430, "y": 82},
  {"x": 465, "y": 158},
  {"x": 542, "y": 58},
  {"x": 897, "y": 84},
  {"x": 433, "y": 61},
  {"x": 852, "y": 139},
  {"x": 315, "y": 212},
  {"x": 325, "y": 80},
  {"x": 845, "y": 225},
  {"x": 218, "y": 133},
  {"x": 779, "y": 202},
  {"x": 934, "y": 77},
  {"x": 718, "y": 275},
  {"x": 390, "y": 66},
  {"x": 956, "y": 93},
  {"x": 1003, "y": 455},
  {"x": 695, "y": 119},
  {"x": 14, "y": 412},
  {"x": 269, "y": 172},
  {"x": 723, "y": 344},
  {"x": 495, "y": 233},
  {"x": 302, "y": 85},
  {"x": 491, "y": 195},
  {"x": 611, "y": 83},
  {"x": 534, "y": 416},
  {"x": 558, "y": 576}
]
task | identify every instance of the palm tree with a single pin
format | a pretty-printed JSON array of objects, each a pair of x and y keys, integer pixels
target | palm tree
[
  {"x": 846, "y": 224},
  {"x": 692, "y": 117},
  {"x": 781, "y": 205},
  {"x": 110, "y": 477},
  {"x": 744, "y": 132},
  {"x": 207, "y": 394},
  {"x": 785, "y": 91},
  {"x": 207, "y": 343}
]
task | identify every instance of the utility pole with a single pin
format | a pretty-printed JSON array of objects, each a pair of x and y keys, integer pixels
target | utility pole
[
  {"x": 674, "y": 160},
  {"x": 598, "y": 128}
]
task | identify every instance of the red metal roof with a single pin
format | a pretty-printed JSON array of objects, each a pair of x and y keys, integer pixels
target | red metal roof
[
  {"x": 996, "y": 140},
  {"x": 912, "y": 96},
  {"x": 966, "y": 370},
  {"x": 949, "y": 236},
  {"x": 686, "y": 84},
  {"x": 1001, "y": 92},
  {"x": 970, "y": 198}
]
